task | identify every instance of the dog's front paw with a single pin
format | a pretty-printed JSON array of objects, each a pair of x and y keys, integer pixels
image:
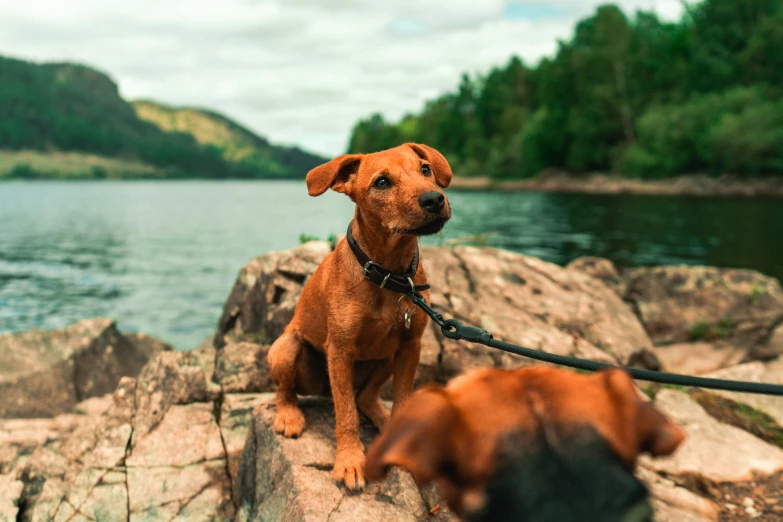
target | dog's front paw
[
  {"x": 349, "y": 468},
  {"x": 289, "y": 421},
  {"x": 377, "y": 414}
]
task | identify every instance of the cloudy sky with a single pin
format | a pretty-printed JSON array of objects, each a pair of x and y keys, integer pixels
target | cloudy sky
[{"x": 296, "y": 71}]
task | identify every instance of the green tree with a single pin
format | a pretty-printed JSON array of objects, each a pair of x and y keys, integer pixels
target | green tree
[
  {"x": 373, "y": 134},
  {"x": 630, "y": 94},
  {"x": 720, "y": 33},
  {"x": 738, "y": 131},
  {"x": 762, "y": 59}
]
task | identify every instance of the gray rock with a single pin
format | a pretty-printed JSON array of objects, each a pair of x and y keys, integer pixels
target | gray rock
[
  {"x": 178, "y": 470},
  {"x": 601, "y": 269},
  {"x": 517, "y": 298},
  {"x": 241, "y": 368},
  {"x": 189, "y": 438},
  {"x": 712, "y": 450},
  {"x": 770, "y": 373},
  {"x": 263, "y": 298},
  {"x": 10, "y": 495},
  {"x": 47, "y": 373},
  {"x": 89, "y": 477},
  {"x": 769, "y": 349},
  {"x": 19, "y": 438},
  {"x": 147, "y": 344},
  {"x": 698, "y": 358},
  {"x": 672, "y": 503},
  {"x": 290, "y": 479},
  {"x": 236, "y": 417},
  {"x": 174, "y": 378},
  {"x": 108, "y": 469},
  {"x": 681, "y": 304}
]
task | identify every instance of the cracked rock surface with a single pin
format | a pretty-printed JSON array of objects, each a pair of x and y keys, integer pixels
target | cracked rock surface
[
  {"x": 684, "y": 308},
  {"x": 187, "y": 436},
  {"x": 771, "y": 372},
  {"x": 713, "y": 450},
  {"x": 591, "y": 309},
  {"x": 48, "y": 373},
  {"x": 517, "y": 298},
  {"x": 290, "y": 479},
  {"x": 155, "y": 450},
  {"x": 172, "y": 445},
  {"x": 10, "y": 496}
]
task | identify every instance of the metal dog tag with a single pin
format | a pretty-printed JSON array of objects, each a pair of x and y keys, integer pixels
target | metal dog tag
[{"x": 408, "y": 315}]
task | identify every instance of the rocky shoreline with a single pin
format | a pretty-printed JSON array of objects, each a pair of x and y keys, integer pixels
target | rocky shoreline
[
  {"x": 695, "y": 185},
  {"x": 154, "y": 434}
]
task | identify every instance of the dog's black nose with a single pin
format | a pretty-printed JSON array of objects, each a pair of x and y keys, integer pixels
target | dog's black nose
[{"x": 432, "y": 201}]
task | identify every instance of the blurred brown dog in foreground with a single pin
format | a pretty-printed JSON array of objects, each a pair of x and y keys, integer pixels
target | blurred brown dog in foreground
[
  {"x": 348, "y": 333},
  {"x": 534, "y": 444}
]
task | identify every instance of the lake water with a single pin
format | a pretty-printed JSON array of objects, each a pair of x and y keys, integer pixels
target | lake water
[{"x": 161, "y": 257}]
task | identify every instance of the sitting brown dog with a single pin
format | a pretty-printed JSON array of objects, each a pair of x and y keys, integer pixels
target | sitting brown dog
[
  {"x": 534, "y": 444},
  {"x": 349, "y": 331}
]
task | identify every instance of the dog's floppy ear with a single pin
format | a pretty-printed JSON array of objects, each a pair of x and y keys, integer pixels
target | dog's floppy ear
[
  {"x": 417, "y": 437},
  {"x": 335, "y": 174},
  {"x": 440, "y": 167},
  {"x": 653, "y": 432},
  {"x": 658, "y": 435}
]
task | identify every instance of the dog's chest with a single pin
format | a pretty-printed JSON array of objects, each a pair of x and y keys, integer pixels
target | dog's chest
[{"x": 384, "y": 332}]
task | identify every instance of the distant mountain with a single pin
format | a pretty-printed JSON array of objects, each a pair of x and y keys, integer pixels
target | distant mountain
[
  {"x": 64, "y": 120},
  {"x": 236, "y": 143}
]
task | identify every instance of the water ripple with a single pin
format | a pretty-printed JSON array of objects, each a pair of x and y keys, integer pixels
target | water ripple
[{"x": 161, "y": 257}]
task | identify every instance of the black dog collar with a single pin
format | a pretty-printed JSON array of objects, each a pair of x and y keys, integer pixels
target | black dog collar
[{"x": 375, "y": 273}]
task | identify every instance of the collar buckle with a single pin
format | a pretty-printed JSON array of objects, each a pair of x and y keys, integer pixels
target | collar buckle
[
  {"x": 380, "y": 276},
  {"x": 368, "y": 266},
  {"x": 413, "y": 287}
]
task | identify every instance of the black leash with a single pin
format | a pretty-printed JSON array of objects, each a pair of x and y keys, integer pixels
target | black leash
[{"x": 454, "y": 329}]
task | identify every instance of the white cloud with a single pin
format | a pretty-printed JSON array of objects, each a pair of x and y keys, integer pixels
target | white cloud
[{"x": 296, "y": 71}]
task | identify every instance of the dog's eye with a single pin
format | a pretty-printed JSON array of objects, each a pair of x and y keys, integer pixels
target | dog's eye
[
  {"x": 425, "y": 169},
  {"x": 382, "y": 182}
]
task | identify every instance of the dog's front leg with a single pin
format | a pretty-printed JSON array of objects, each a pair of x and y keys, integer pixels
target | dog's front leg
[
  {"x": 406, "y": 361},
  {"x": 349, "y": 463}
]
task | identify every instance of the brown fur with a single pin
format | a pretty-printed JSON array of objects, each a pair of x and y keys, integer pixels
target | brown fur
[
  {"x": 350, "y": 320},
  {"x": 451, "y": 435}
]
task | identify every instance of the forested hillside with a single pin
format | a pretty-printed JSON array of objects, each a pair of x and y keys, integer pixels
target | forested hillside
[
  {"x": 236, "y": 143},
  {"x": 629, "y": 94},
  {"x": 48, "y": 110}
]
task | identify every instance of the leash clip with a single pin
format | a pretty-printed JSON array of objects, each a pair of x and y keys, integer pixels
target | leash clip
[{"x": 454, "y": 329}]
